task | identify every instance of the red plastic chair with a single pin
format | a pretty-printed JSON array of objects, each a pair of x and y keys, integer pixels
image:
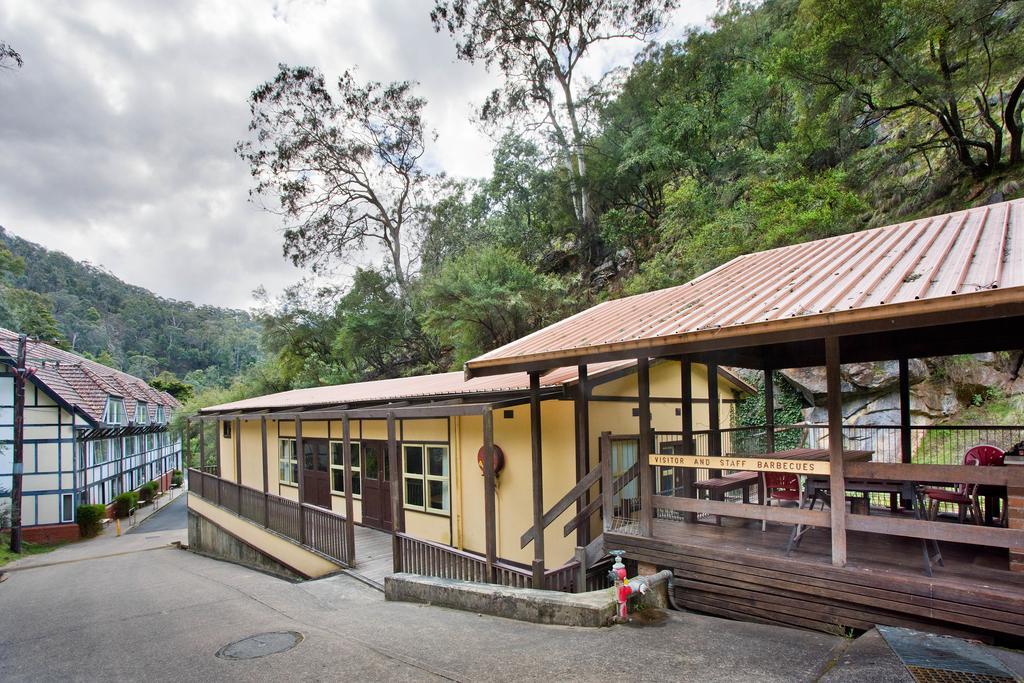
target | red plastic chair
[
  {"x": 781, "y": 486},
  {"x": 965, "y": 496}
]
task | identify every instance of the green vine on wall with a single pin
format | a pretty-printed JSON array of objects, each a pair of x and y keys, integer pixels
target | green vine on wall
[{"x": 749, "y": 412}]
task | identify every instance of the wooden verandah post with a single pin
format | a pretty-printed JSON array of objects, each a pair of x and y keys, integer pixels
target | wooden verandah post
[
  {"x": 684, "y": 477},
  {"x": 536, "y": 462},
  {"x": 300, "y": 458},
  {"x": 769, "y": 410},
  {"x": 905, "y": 442},
  {"x": 837, "y": 482},
  {"x": 645, "y": 445},
  {"x": 266, "y": 471},
  {"x": 202, "y": 445},
  {"x": 581, "y": 405},
  {"x": 396, "y": 492},
  {"x": 490, "y": 529},
  {"x": 350, "y": 529},
  {"x": 238, "y": 450},
  {"x": 218, "y": 430}
]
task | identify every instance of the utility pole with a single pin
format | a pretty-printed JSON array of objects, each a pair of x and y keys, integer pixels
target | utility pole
[{"x": 19, "y": 444}]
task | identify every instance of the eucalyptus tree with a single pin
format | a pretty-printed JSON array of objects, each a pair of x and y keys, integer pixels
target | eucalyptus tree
[
  {"x": 345, "y": 167},
  {"x": 538, "y": 46},
  {"x": 9, "y": 57},
  {"x": 948, "y": 73}
]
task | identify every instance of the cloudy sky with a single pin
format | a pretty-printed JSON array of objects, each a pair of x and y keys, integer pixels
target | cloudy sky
[{"x": 117, "y": 135}]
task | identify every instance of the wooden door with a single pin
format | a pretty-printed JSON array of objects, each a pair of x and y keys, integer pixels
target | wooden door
[
  {"x": 316, "y": 480},
  {"x": 376, "y": 485}
]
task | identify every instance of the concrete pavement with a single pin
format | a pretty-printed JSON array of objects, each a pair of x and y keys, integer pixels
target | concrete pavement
[
  {"x": 158, "y": 613},
  {"x": 159, "y": 528}
]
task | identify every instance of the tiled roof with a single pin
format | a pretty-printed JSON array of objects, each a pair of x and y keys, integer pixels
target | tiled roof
[
  {"x": 425, "y": 387},
  {"x": 83, "y": 383},
  {"x": 940, "y": 263}
]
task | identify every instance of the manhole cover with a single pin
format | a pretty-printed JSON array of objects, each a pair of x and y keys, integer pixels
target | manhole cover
[{"x": 260, "y": 645}]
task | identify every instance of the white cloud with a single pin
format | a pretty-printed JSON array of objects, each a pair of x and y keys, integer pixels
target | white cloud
[{"x": 117, "y": 136}]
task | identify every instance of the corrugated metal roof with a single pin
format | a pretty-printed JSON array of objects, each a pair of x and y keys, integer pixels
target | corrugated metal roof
[
  {"x": 952, "y": 255},
  {"x": 427, "y": 386},
  {"x": 81, "y": 382},
  {"x": 402, "y": 388}
]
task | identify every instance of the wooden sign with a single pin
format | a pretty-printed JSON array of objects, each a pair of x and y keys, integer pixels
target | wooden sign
[{"x": 753, "y": 464}]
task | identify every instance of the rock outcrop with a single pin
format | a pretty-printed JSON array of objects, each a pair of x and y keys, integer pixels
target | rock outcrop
[{"x": 939, "y": 388}]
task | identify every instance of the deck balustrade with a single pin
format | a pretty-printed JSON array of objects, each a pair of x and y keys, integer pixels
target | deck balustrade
[{"x": 312, "y": 527}]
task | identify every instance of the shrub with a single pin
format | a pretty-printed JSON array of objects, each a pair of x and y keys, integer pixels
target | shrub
[
  {"x": 124, "y": 502},
  {"x": 177, "y": 478},
  {"x": 90, "y": 519},
  {"x": 148, "y": 491}
]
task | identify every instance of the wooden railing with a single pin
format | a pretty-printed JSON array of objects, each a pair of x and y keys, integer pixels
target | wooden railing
[
  {"x": 419, "y": 556},
  {"x": 315, "y": 528},
  {"x": 917, "y": 472}
]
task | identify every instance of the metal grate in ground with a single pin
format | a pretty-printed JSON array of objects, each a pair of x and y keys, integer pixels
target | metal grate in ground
[{"x": 932, "y": 658}]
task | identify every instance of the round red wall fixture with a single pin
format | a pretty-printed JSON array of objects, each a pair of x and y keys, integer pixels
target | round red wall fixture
[{"x": 499, "y": 459}]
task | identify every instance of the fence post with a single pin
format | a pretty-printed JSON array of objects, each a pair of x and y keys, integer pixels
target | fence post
[{"x": 581, "y": 571}]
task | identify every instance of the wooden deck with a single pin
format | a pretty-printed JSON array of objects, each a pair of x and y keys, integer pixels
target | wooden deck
[
  {"x": 373, "y": 556},
  {"x": 738, "y": 571}
]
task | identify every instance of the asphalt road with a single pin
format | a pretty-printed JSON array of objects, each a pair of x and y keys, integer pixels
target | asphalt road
[
  {"x": 173, "y": 517},
  {"x": 148, "y": 611}
]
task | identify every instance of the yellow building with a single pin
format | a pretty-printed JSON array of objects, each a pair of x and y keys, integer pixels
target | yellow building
[{"x": 439, "y": 424}]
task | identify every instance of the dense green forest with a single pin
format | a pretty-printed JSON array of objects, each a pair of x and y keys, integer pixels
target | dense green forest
[
  {"x": 89, "y": 311},
  {"x": 781, "y": 122}
]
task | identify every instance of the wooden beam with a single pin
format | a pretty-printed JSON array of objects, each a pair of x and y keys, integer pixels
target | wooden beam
[
  {"x": 905, "y": 455},
  {"x": 537, "y": 465},
  {"x": 769, "y": 410},
  {"x": 346, "y": 455},
  {"x": 583, "y": 516},
  {"x": 995, "y": 537},
  {"x": 202, "y": 447},
  {"x": 218, "y": 431},
  {"x": 396, "y": 492},
  {"x": 837, "y": 482},
  {"x": 266, "y": 471},
  {"x": 936, "y": 474},
  {"x": 645, "y": 445},
  {"x": 490, "y": 526},
  {"x": 574, "y": 494},
  {"x": 582, "y": 414},
  {"x": 607, "y": 496},
  {"x": 714, "y": 416},
  {"x": 721, "y": 508},
  {"x": 238, "y": 450},
  {"x": 684, "y": 477},
  {"x": 300, "y": 456}
]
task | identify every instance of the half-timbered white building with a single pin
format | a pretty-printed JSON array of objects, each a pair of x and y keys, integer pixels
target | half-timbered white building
[{"x": 91, "y": 432}]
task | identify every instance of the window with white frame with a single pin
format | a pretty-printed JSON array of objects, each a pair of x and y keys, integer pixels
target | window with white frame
[
  {"x": 160, "y": 414},
  {"x": 425, "y": 477},
  {"x": 338, "y": 468},
  {"x": 141, "y": 413},
  {"x": 288, "y": 463},
  {"x": 114, "y": 414},
  {"x": 100, "y": 452}
]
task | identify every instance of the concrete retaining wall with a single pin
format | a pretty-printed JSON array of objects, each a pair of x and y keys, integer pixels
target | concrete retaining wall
[
  {"x": 206, "y": 538},
  {"x": 596, "y": 608}
]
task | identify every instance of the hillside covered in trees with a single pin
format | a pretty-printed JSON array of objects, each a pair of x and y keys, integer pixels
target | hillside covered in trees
[
  {"x": 781, "y": 122},
  {"x": 89, "y": 311}
]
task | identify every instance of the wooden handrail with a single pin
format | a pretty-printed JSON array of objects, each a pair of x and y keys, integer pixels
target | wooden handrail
[
  {"x": 563, "y": 504},
  {"x": 945, "y": 474}
]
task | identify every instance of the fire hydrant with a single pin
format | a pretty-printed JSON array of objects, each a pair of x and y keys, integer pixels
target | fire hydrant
[{"x": 624, "y": 588}]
